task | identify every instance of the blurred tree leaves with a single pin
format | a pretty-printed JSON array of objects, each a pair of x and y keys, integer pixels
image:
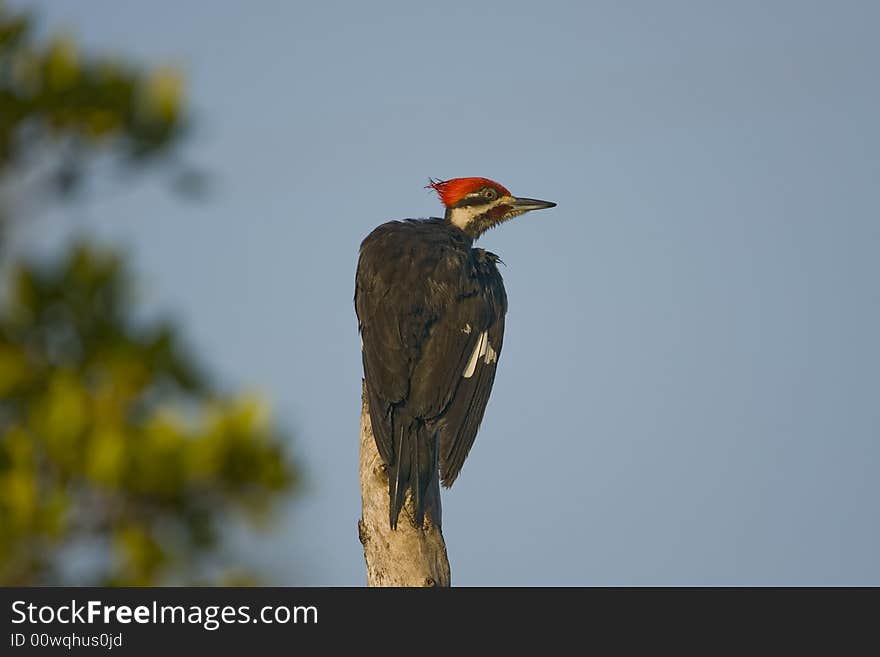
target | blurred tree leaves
[
  {"x": 59, "y": 108},
  {"x": 110, "y": 433}
]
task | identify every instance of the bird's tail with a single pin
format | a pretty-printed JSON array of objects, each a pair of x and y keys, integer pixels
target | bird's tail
[{"x": 415, "y": 468}]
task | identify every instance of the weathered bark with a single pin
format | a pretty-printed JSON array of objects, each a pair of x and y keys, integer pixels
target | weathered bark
[{"x": 408, "y": 555}]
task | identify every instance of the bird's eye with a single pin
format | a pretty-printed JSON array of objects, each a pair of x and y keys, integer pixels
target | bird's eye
[{"x": 490, "y": 194}]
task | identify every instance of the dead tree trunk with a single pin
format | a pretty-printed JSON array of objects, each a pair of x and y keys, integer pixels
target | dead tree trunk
[{"x": 408, "y": 555}]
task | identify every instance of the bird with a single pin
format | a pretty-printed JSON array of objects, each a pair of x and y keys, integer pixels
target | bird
[{"x": 431, "y": 310}]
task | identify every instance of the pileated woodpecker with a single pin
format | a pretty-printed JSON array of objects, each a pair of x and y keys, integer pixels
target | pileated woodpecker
[{"x": 431, "y": 316}]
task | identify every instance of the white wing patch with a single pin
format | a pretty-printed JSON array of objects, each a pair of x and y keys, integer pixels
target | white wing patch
[
  {"x": 467, "y": 329},
  {"x": 482, "y": 348}
]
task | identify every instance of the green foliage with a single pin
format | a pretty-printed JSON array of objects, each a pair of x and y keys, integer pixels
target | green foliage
[
  {"x": 53, "y": 97},
  {"x": 110, "y": 435},
  {"x": 108, "y": 431}
]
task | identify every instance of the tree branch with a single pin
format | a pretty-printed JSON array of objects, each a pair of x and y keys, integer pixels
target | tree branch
[{"x": 409, "y": 555}]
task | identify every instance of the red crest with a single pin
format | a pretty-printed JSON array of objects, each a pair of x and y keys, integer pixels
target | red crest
[{"x": 452, "y": 191}]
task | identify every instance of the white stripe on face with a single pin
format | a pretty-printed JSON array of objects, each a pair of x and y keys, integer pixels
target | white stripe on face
[{"x": 465, "y": 215}]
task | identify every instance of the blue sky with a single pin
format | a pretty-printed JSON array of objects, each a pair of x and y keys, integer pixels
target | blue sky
[{"x": 688, "y": 392}]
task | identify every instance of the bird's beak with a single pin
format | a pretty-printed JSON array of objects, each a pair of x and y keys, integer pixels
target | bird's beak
[{"x": 521, "y": 205}]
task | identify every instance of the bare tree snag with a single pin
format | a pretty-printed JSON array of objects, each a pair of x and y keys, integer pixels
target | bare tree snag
[{"x": 408, "y": 555}]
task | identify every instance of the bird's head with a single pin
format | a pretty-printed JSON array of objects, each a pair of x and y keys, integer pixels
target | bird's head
[{"x": 477, "y": 204}]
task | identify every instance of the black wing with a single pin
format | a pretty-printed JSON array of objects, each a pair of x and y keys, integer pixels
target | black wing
[
  {"x": 431, "y": 314},
  {"x": 464, "y": 413}
]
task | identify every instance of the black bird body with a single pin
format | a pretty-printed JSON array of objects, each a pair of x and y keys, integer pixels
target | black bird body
[
  {"x": 428, "y": 304},
  {"x": 431, "y": 311}
]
